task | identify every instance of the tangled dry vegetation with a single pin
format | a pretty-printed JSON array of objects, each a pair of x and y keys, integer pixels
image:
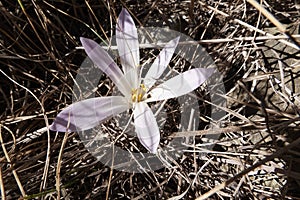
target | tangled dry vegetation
[{"x": 257, "y": 154}]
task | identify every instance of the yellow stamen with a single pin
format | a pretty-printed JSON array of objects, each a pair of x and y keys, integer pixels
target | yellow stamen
[{"x": 138, "y": 94}]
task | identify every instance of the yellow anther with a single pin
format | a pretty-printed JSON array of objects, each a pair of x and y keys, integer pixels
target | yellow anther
[{"x": 138, "y": 94}]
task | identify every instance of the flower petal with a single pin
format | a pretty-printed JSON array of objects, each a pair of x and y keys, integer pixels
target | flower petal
[
  {"x": 161, "y": 62},
  {"x": 88, "y": 113},
  {"x": 180, "y": 84},
  {"x": 146, "y": 126},
  {"x": 128, "y": 46},
  {"x": 103, "y": 60}
]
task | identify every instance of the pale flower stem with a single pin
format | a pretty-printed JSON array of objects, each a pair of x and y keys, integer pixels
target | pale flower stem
[
  {"x": 191, "y": 124},
  {"x": 58, "y": 167},
  {"x": 110, "y": 174}
]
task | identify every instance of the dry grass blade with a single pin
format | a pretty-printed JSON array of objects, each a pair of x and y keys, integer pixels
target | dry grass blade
[
  {"x": 214, "y": 131},
  {"x": 2, "y": 190},
  {"x": 268, "y": 15}
]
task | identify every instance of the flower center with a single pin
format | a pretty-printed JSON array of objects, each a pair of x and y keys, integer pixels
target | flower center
[{"x": 137, "y": 95}]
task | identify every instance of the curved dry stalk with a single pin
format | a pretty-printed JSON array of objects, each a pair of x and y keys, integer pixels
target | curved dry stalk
[{"x": 9, "y": 161}]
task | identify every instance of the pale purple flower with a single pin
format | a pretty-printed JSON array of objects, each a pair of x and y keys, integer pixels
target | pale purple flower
[{"x": 88, "y": 113}]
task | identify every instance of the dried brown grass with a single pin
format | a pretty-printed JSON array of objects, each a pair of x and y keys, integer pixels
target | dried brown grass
[{"x": 257, "y": 155}]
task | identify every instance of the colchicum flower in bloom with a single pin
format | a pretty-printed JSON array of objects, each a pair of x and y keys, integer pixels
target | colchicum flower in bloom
[{"x": 136, "y": 91}]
